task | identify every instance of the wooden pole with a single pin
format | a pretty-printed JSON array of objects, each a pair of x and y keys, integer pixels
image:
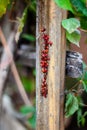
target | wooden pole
[
  {"x": 62, "y": 73},
  {"x": 49, "y": 114}
]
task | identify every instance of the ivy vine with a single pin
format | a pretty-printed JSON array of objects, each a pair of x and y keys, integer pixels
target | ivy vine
[{"x": 73, "y": 25}]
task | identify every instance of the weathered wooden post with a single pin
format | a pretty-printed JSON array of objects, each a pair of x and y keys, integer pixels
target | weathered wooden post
[{"x": 50, "y": 114}]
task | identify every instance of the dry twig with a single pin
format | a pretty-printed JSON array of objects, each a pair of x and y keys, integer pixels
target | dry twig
[{"x": 14, "y": 70}]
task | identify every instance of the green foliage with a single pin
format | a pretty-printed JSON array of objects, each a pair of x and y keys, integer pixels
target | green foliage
[
  {"x": 32, "y": 121},
  {"x": 79, "y": 6},
  {"x": 81, "y": 85},
  {"x": 71, "y": 105},
  {"x": 28, "y": 84},
  {"x": 29, "y": 37},
  {"x": 85, "y": 76},
  {"x": 83, "y": 22},
  {"x": 22, "y": 20},
  {"x": 78, "y": 9},
  {"x": 84, "y": 83},
  {"x": 32, "y": 111},
  {"x": 26, "y": 109},
  {"x": 74, "y": 37},
  {"x": 84, "y": 1},
  {"x": 74, "y": 104},
  {"x": 84, "y": 66},
  {"x": 3, "y": 6},
  {"x": 81, "y": 117},
  {"x": 72, "y": 34},
  {"x": 80, "y": 101},
  {"x": 34, "y": 72},
  {"x": 70, "y": 24},
  {"x": 65, "y": 4},
  {"x": 32, "y": 6}
]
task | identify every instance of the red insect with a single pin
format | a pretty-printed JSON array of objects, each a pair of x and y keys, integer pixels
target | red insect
[
  {"x": 45, "y": 61},
  {"x": 43, "y": 30}
]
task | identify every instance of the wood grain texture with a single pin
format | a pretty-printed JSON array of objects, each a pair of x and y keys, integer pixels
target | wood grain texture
[
  {"x": 63, "y": 56},
  {"x": 48, "y": 109}
]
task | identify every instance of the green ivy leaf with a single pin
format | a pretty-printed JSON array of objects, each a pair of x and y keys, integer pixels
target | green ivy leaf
[
  {"x": 32, "y": 119},
  {"x": 29, "y": 37},
  {"x": 27, "y": 109},
  {"x": 65, "y": 4},
  {"x": 84, "y": 66},
  {"x": 32, "y": 6},
  {"x": 84, "y": 1},
  {"x": 28, "y": 84},
  {"x": 71, "y": 105},
  {"x": 34, "y": 72},
  {"x": 83, "y": 121},
  {"x": 3, "y": 6},
  {"x": 83, "y": 22},
  {"x": 80, "y": 100},
  {"x": 71, "y": 24},
  {"x": 74, "y": 37},
  {"x": 84, "y": 85},
  {"x": 85, "y": 77},
  {"x": 84, "y": 72},
  {"x": 79, "y": 6},
  {"x": 79, "y": 116},
  {"x": 85, "y": 114},
  {"x": 21, "y": 22}
]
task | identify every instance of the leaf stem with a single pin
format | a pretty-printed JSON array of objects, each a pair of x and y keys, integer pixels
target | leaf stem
[
  {"x": 75, "y": 85},
  {"x": 82, "y": 104}
]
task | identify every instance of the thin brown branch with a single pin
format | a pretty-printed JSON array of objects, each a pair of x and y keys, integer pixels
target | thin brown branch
[
  {"x": 76, "y": 84},
  {"x": 83, "y": 30},
  {"x": 14, "y": 70}
]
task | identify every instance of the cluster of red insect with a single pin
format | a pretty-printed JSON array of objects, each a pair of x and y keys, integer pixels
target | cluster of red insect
[{"x": 45, "y": 61}]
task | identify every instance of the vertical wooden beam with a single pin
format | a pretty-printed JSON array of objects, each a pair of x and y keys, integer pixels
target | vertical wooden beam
[
  {"x": 48, "y": 109},
  {"x": 62, "y": 74}
]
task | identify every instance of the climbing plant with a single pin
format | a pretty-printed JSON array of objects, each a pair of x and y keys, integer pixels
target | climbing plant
[
  {"x": 8, "y": 7},
  {"x": 75, "y": 22},
  {"x": 9, "y": 4},
  {"x": 3, "y": 7}
]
